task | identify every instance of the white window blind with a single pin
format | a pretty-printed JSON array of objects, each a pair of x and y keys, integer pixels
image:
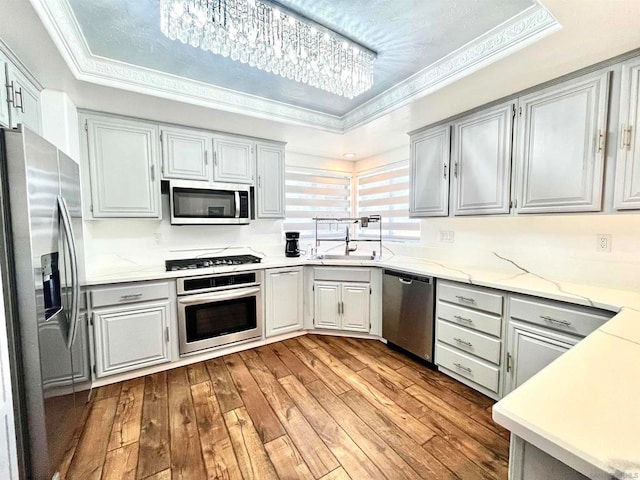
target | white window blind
[
  {"x": 385, "y": 191},
  {"x": 315, "y": 193}
]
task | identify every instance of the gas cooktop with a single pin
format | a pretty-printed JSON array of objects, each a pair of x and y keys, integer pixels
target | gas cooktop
[{"x": 207, "y": 262}]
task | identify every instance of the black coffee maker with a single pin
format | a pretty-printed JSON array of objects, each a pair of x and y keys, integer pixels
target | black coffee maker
[{"x": 292, "y": 247}]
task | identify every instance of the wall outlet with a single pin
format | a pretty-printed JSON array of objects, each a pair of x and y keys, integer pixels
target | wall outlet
[
  {"x": 603, "y": 242},
  {"x": 447, "y": 236}
]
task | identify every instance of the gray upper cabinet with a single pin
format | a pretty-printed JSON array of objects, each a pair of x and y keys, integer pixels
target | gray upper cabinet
[
  {"x": 430, "y": 156},
  {"x": 561, "y": 143},
  {"x": 5, "y": 119},
  {"x": 233, "y": 160},
  {"x": 481, "y": 157},
  {"x": 25, "y": 108},
  {"x": 19, "y": 98},
  {"x": 123, "y": 160},
  {"x": 186, "y": 154},
  {"x": 627, "y": 191},
  {"x": 270, "y": 180}
]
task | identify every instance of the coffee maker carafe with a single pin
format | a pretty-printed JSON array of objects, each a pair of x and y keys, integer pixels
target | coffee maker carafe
[{"x": 292, "y": 247}]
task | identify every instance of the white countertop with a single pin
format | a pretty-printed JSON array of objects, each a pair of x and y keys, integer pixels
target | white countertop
[{"x": 583, "y": 409}]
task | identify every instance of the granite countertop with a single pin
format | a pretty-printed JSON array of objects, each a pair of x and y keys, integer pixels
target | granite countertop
[{"x": 581, "y": 409}]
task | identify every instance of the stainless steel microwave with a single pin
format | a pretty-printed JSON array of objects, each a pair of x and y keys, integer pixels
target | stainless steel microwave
[{"x": 199, "y": 203}]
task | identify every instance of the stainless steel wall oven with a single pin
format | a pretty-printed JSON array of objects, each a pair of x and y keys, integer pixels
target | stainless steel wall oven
[{"x": 219, "y": 309}]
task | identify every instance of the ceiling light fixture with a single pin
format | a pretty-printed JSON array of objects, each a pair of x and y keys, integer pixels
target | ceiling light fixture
[
  {"x": 271, "y": 38},
  {"x": 349, "y": 155}
]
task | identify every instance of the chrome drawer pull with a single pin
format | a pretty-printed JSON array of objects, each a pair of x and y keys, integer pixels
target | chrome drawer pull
[
  {"x": 554, "y": 320},
  {"x": 462, "y": 319},
  {"x": 466, "y": 299},
  {"x": 467, "y": 344},
  {"x": 133, "y": 296},
  {"x": 462, "y": 367}
]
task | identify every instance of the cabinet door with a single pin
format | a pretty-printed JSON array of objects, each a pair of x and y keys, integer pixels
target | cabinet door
[
  {"x": 186, "y": 154},
  {"x": 482, "y": 162},
  {"x": 284, "y": 297},
  {"x": 326, "y": 305},
  {"x": 430, "y": 154},
  {"x": 529, "y": 350},
  {"x": 270, "y": 163},
  {"x": 627, "y": 192},
  {"x": 123, "y": 159},
  {"x": 561, "y": 145},
  {"x": 130, "y": 338},
  {"x": 5, "y": 119},
  {"x": 233, "y": 160},
  {"x": 355, "y": 306},
  {"x": 25, "y": 108}
]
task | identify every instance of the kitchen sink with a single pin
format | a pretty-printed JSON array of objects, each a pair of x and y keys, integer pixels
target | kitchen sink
[{"x": 345, "y": 257}]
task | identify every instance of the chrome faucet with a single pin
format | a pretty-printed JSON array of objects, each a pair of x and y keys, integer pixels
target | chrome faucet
[{"x": 348, "y": 250}]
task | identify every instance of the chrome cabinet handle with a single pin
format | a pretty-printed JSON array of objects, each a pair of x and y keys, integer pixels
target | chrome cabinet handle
[
  {"x": 601, "y": 139},
  {"x": 166, "y": 334},
  {"x": 10, "y": 96},
  {"x": 462, "y": 319},
  {"x": 215, "y": 158},
  {"x": 466, "y": 299},
  {"x": 467, "y": 344},
  {"x": 259, "y": 181},
  {"x": 15, "y": 104},
  {"x": 445, "y": 170},
  {"x": 206, "y": 159},
  {"x": 555, "y": 320},
  {"x": 462, "y": 367},
  {"x": 625, "y": 137},
  {"x": 132, "y": 296},
  {"x": 455, "y": 169}
]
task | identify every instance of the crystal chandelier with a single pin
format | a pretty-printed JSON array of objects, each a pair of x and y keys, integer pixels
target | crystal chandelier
[{"x": 268, "y": 37}]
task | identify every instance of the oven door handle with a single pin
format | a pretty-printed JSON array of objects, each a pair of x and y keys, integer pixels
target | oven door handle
[{"x": 218, "y": 296}]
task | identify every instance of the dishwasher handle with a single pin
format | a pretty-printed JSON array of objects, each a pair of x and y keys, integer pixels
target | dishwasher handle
[{"x": 407, "y": 278}]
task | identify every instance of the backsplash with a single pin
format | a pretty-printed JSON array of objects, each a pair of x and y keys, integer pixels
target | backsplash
[{"x": 561, "y": 247}]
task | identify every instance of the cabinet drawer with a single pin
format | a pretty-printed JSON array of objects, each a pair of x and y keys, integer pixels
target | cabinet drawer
[
  {"x": 469, "y": 341},
  {"x": 129, "y": 294},
  {"x": 471, "y": 297},
  {"x": 475, "y": 370},
  {"x": 482, "y": 322},
  {"x": 558, "y": 317},
  {"x": 342, "y": 274}
]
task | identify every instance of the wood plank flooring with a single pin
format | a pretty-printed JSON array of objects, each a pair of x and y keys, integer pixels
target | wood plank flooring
[{"x": 313, "y": 407}]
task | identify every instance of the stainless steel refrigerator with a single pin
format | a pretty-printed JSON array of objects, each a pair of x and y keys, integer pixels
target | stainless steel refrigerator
[{"x": 42, "y": 268}]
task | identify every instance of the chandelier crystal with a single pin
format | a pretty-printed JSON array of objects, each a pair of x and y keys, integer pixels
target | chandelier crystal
[{"x": 272, "y": 39}]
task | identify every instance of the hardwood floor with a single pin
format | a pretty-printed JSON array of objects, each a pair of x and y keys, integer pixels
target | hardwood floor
[{"x": 313, "y": 407}]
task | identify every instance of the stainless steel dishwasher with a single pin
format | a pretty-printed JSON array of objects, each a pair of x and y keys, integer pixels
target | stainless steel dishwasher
[{"x": 408, "y": 312}]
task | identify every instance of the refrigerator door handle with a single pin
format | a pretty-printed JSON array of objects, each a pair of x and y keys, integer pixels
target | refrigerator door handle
[{"x": 75, "y": 286}]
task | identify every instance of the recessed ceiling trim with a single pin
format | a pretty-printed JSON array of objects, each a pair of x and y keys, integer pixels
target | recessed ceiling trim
[{"x": 514, "y": 34}]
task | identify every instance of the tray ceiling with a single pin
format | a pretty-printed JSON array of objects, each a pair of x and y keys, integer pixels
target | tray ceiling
[{"x": 421, "y": 45}]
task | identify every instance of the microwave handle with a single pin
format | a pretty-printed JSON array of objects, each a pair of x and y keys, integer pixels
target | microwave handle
[{"x": 237, "y": 195}]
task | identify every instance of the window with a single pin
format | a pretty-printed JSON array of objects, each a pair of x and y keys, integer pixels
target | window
[
  {"x": 385, "y": 191},
  {"x": 315, "y": 193}
]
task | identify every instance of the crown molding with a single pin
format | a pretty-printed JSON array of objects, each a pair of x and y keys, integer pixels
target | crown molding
[{"x": 58, "y": 18}]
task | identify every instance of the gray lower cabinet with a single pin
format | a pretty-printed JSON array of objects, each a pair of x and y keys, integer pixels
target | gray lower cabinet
[
  {"x": 131, "y": 325},
  {"x": 284, "y": 296},
  {"x": 527, "y": 462},
  {"x": 539, "y": 331},
  {"x": 627, "y": 191},
  {"x": 469, "y": 335},
  {"x": 131, "y": 337}
]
